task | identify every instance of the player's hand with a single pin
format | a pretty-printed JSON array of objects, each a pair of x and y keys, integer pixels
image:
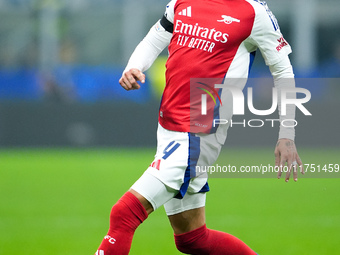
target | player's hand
[
  {"x": 285, "y": 152},
  {"x": 129, "y": 79}
]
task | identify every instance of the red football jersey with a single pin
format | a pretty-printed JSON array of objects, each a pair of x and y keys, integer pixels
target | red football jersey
[{"x": 214, "y": 39}]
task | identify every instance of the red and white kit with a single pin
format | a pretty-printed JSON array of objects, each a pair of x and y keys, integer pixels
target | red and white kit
[
  {"x": 205, "y": 43},
  {"x": 206, "y": 39},
  {"x": 209, "y": 44}
]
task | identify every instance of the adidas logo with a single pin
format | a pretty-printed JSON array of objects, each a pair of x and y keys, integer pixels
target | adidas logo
[{"x": 186, "y": 12}]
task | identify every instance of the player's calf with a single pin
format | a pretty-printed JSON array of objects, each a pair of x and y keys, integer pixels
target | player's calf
[{"x": 126, "y": 215}]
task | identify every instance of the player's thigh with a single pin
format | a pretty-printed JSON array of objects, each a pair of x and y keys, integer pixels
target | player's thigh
[
  {"x": 151, "y": 192},
  {"x": 163, "y": 179},
  {"x": 186, "y": 214},
  {"x": 188, "y": 220}
]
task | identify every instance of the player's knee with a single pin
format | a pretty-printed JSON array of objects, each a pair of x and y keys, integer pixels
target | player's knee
[
  {"x": 183, "y": 248},
  {"x": 117, "y": 217},
  {"x": 193, "y": 242},
  {"x": 181, "y": 243},
  {"x": 128, "y": 213},
  {"x": 117, "y": 211},
  {"x": 191, "y": 247}
]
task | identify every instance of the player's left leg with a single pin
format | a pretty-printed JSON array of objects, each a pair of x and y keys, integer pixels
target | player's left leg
[{"x": 191, "y": 234}]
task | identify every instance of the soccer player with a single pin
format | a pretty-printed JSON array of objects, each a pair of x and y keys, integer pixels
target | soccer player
[{"x": 205, "y": 39}]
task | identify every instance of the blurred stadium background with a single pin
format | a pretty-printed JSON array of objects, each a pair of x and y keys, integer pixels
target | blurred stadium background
[
  {"x": 69, "y": 134},
  {"x": 60, "y": 62}
]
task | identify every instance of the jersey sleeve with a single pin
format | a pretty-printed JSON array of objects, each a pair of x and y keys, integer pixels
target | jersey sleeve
[
  {"x": 170, "y": 11},
  {"x": 153, "y": 43},
  {"x": 149, "y": 48},
  {"x": 266, "y": 35}
]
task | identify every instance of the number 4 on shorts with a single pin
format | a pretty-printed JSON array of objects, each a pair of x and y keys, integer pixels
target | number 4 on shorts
[{"x": 169, "y": 149}]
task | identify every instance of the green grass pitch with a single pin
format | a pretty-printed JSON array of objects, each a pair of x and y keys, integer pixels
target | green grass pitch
[{"x": 57, "y": 202}]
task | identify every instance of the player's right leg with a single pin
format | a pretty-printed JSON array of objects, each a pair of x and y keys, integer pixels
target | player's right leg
[
  {"x": 146, "y": 195},
  {"x": 126, "y": 215},
  {"x": 160, "y": 183}
]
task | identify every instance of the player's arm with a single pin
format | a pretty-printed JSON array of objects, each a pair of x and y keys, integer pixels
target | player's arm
[
  {"x": 148, "y": 50},
  {"x": 267, "y": 37},
  {"x": 144, "y": 55},
  {"x": 285, "y": 150}
]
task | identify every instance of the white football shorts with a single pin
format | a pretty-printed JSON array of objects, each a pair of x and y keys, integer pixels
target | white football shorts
[{"x": 171, "y": 179}]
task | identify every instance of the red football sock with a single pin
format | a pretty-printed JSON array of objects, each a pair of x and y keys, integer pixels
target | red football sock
[
  {"x": 126, "y": 215},
  {"x": 203, "y": 241}
]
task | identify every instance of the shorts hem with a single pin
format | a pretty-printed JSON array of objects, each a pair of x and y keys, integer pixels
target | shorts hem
[{"x": 187, "y": 208}]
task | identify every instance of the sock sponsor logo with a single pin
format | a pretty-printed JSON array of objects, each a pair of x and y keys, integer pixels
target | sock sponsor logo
[{"x": 110, "y": 239}]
